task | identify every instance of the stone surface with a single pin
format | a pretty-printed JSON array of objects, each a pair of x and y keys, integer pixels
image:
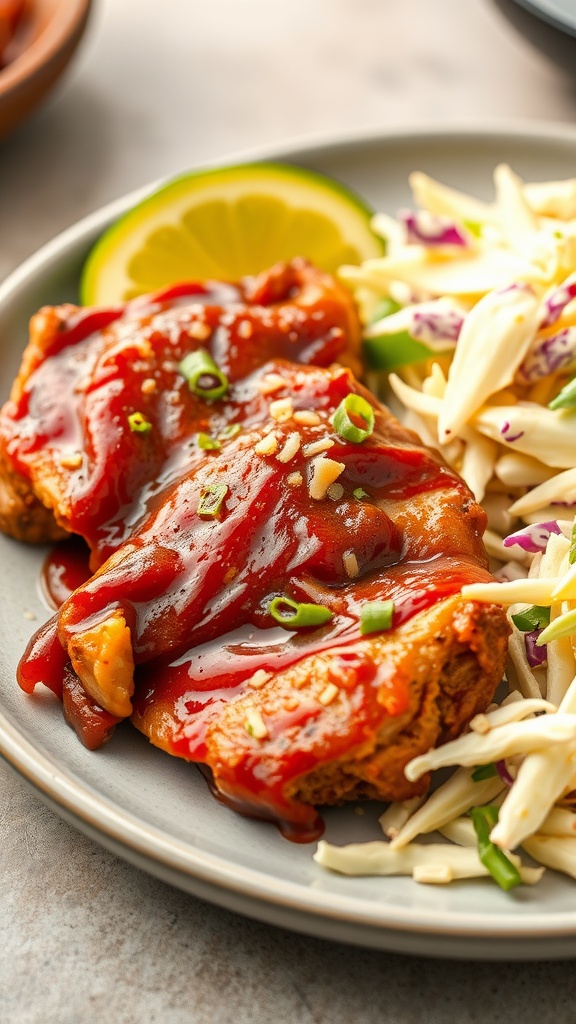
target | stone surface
[{"x": 154, "y": 90}]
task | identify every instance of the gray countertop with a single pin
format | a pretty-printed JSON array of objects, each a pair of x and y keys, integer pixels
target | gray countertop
[{"x": 156, "y": 89}]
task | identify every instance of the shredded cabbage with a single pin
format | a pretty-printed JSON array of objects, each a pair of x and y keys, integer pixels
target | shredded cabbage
[{"x": 497, "y": 281}]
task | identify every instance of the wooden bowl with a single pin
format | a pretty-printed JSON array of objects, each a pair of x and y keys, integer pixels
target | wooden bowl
[{"x": 43, "y": 44}]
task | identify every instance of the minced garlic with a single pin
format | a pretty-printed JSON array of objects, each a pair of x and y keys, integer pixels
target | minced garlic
[
  {"x": 291, "y": 446},
  {"x": 324, "y": 472},
  {"x": 270, "y": 383},
  {"x": 281, "y": 410},
  {"x": 267, "y": 446},
  {"x": 294, "y": 479},
  {"x": 329, "y": 693},
  {"x": 291, "y": 703},
  {"x": 245, "y": 329},
  {"x": 306, "y": 418},
  {"x": 350, "y": 564},
  {"x": 259, "y": 679},
  {"x": 254, "y": 724},
  {"x": 71, "y": 460},
  {"x": 199, "y": 330},
  {"x": 315, "y": 447}
]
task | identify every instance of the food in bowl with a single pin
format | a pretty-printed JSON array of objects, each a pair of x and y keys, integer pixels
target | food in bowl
[
  {"x": 39, "y": 39},
  {"x": 11, "y": 15}
]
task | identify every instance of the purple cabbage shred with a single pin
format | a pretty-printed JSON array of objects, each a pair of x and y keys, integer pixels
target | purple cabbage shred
[
  {"x": 558, "y": 300},
  {"x": 548, "y": 355},
  {"x": 423, "y": 228},
  {"x": 502, "y": 769},
  {"x": 533, "y": 538},
  {"x": 507, "y": 436},
  {"x": 441, "y": 326},
  {"x": 537, "y": 656}
]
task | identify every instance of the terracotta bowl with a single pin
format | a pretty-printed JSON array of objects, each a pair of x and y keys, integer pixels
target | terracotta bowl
[{"x": 44, "y": 41}]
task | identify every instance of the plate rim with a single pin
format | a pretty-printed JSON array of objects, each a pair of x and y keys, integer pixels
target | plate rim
[
  {"x": 560, "y": 20},
  {"x": 299, "y": 146},
  {"x": 147, "y": 843},
  {"x": 134, "y": 838}
]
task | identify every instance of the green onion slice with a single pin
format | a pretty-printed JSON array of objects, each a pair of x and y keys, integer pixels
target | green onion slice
[
  {"x": 376, "y": 616},
  {"x": 385, "y": 308},
  {"x": 532, "y": 618},
  {"x": 566, "y": 398},
  {"x": 294, "y": 615},
  {"x": 138, "y": 423},
  {"x": 564, "y": 625},
  {"x": 474, "y": 227},
  {"x": 230, "y": 431},
  {"x": 572, "y": 554},
  {"x": 203, "y": 376},
  {"x": 360, "y": 493},
  {"x": 211, "y": 498},
  {"x": 494, "y": 860},
  {"x": 208, "y": 443},
  {"x": 354, "y": 419},
  {"x": 484, "y": 771}
]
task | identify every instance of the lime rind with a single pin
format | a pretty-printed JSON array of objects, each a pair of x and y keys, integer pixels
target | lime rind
[{"x": 225, "y": 223}]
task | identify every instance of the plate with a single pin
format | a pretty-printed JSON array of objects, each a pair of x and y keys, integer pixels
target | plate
[
  {"x": 156, "y": 811},
  {"x": 559, "y": 13}
]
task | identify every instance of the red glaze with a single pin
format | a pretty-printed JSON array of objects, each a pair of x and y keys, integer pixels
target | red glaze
[
  {"x": 92, "y": 371},
  {"x": 66, "y": 568},
  {"x": 195, "y": 590},
  {"x": 92, "y": 723}
]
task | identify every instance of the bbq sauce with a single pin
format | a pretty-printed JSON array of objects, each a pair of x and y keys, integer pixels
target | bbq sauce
[
  {"x": 195, "y": 589},
  {"x": 65, "y": 569}
]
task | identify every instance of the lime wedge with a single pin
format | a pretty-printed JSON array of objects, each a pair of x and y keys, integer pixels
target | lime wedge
[{"x": 225, "y": 223}]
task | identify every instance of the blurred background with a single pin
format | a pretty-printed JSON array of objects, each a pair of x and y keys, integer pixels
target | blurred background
[{"x": 157, "y": 88}]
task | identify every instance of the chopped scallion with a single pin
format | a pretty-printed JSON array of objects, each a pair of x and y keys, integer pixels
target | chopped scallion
[
  {"x": 138, "y": 423},
  {"x": 388, "y": 351},
  {"x": 564, "y": 625},
  {"x": 385, "y": 308},
  {"x": 474, "y": 227},
  {"x": 294, "y": 614},
  {"x": 376, "y": 616},
  {"x": 484, "y": 771},
  {"x": 230, "y": 431},
  {"x": 572, "y": 554},
  {"x": 354, "y": 419},
  {"x": 208, "y": 443},
  {"x": 532, "y": 618},
  {"x": 203, "y": 376},
  {"x": 211, "y": 498},
  {"x": 566, "y": 398},
  {"x": 494, "y": 860},
  {"x": 360, "y": 493}
]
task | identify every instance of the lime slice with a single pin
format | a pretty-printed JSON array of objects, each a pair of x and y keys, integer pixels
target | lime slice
[{"x": 225, "y": 223}]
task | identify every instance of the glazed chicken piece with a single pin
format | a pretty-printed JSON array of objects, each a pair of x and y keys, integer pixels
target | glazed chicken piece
[
  {"x": 222, "y": 519},
  {"x": 343, "y": 724},
  {"x": 85, "y": 370}
]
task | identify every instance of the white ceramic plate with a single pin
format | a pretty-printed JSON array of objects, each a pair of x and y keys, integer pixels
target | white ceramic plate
[
  {"x": 155, "y": 810},
  {"x": 559, "y": 13}
]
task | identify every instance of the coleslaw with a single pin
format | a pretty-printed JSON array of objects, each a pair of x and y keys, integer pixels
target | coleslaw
[{"x": 470, "y": 321}]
